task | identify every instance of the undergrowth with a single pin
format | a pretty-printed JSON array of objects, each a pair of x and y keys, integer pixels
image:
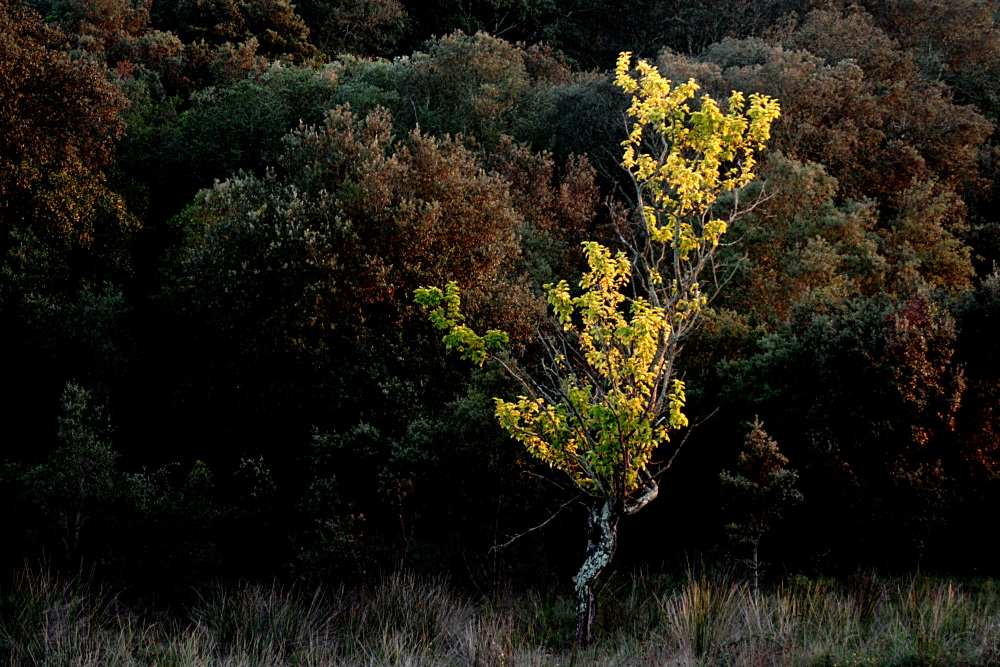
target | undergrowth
[{"x": 405, "y": 619}]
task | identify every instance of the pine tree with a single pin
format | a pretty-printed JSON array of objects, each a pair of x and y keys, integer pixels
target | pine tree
[{"x": 757, "y": 494}]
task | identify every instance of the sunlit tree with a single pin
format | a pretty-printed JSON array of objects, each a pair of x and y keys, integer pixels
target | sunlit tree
[{"x": 608, "y": 396}]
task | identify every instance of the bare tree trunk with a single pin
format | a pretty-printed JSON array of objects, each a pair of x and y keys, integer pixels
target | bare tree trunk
[{"x": 600, "y": 550}]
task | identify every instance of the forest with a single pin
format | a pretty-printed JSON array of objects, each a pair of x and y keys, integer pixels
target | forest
[{"x": 226, "y": 401}]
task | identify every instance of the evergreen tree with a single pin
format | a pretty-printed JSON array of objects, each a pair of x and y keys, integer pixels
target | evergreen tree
[{"x": 757, "y": 493}]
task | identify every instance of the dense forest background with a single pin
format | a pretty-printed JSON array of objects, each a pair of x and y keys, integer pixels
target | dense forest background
[{"x": 213, "y": 215}]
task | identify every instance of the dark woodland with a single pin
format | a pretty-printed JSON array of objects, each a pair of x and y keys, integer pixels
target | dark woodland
[{"x": 214, "y": 215}]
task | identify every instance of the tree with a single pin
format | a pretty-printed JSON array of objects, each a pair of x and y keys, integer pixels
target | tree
[
  {"x": 843, "y": 84},
  {"x": 78, "y": 481},
  {"x": 359, "y": 27},
  {"x": 958, "y": 42},
  {"x": 66, "y": 237},
  {"x": 60, "y": 225},
  {"x": 240, "y": 127},
  {"x": 883, "y": 483},
  {"x": 806, "y": 245},
  {"x": 93, "y": 26},
  {"x": 470, "y": 84},
  {"x": 758, "y": 492},
  {"x": 607, "y": 397},
  {"x": 291, "y": 298},
  {"x": 279, "y": 31},
  {"x": 557, "y": 211}
]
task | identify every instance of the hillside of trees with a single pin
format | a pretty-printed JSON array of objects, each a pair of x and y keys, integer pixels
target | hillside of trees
[{"x": 214, "y": 215}]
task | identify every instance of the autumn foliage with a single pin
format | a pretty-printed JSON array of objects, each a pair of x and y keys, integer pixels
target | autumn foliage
[{"x": 214, "y": 215}]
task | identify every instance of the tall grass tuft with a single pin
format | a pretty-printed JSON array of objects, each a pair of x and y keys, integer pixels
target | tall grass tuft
[
  {"x": 704, "y": 618},
  {"x": 48, "y": 619},
  {"x": 265, "y": 624}
]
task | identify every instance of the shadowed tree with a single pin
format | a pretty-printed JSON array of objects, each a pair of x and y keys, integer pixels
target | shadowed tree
[
  {"x": 757, "y": 493},
  {"x": 358, "y": 27},
  {"x": 956, "y": 41},
  {"x": 79, "y": 480},
  {"x": 59, "y": 119},
  {"x": 277, "y": 29},
  {"x": 853, "y": 101}
]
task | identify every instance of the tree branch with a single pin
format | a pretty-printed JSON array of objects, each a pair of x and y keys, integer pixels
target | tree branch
[{"x": 539, "y": 526}]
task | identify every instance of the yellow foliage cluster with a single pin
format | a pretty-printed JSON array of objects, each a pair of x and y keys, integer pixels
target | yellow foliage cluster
[
  {"x": 601, "y": 432},
  {"x": 685, "y": 159},
  {"x": 613, "y": 399}
]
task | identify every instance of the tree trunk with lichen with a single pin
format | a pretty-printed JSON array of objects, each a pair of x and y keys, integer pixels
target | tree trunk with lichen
[{"x": 601, "y": 546}]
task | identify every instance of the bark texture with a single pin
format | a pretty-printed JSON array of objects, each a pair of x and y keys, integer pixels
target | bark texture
[{"x": 600, "y": 550}]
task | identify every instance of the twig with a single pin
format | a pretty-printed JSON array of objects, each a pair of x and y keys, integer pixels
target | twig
[{"x": 539, "y": 526}]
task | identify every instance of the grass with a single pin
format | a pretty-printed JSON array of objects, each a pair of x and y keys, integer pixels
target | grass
[{"x": 404, "y": 619}]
